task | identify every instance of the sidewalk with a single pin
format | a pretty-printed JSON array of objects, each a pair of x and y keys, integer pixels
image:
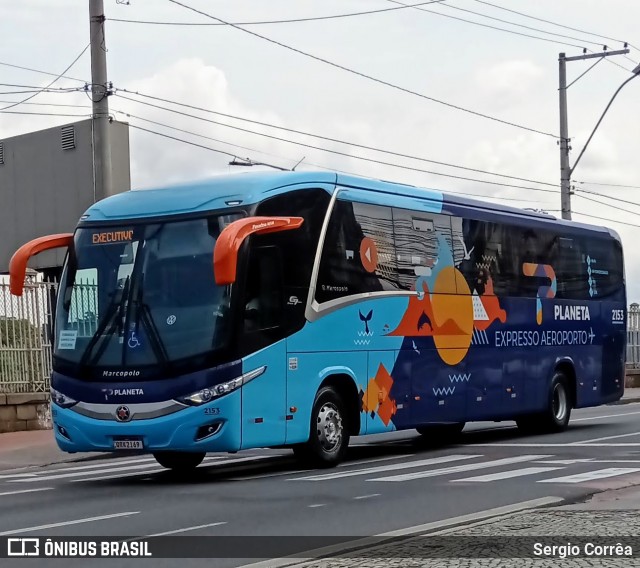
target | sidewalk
[
  {"x": 37, "y": 448},
  {"x": 516, "y": 539}
]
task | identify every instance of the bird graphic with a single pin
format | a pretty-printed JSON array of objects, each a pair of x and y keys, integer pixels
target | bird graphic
[
  {"x": 415, "y": 347},
  {"x": 467, "y": 254},
  {"x": 366, "y": 319}
]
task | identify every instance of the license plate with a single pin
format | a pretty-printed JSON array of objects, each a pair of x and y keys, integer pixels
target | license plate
[{"x": 127, "y": 445}]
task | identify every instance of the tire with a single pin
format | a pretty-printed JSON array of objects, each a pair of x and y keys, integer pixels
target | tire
[
  {"x": 328, "y": 432},
  {"x": 556, "y": 416},
  {"x": 179, "y": 461},
  {"x": 441, "y": 432}
]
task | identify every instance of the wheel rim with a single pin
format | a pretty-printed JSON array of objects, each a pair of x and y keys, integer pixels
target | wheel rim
[
  {"x": 559, "y": 403},
  {"x": 329, "y": 427}
]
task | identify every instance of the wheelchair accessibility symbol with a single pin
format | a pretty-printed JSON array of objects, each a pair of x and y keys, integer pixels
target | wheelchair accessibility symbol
[{"x": 133, "y": 342}]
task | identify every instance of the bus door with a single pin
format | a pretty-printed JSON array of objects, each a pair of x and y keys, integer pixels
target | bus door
[{"x": 264, "y": 398}]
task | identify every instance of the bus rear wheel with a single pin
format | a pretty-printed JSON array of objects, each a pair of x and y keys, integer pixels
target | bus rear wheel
[
  {"x": 556, "y": 416},
  {"x": 179, "y": 461},
  {"x": 329, "y": 431}
]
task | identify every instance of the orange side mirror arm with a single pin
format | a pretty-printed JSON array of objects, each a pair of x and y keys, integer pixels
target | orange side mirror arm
[
  {"x": 18, "y": 263},
  {"x": 225, "y": 253}
]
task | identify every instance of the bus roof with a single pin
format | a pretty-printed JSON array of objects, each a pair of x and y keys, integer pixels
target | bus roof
[{"x": 230, "y": 190}]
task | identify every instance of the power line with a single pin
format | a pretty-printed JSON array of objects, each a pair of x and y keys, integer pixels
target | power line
[
  {"x": 563, "y": 26},
  {"x": 552, "y": 23},
  {"x": 364, "y": 75},
  {"x": 606, "y": 219},
  {"x": 492, "y": 27},
  {"x": 474, "y": 195},
  {"x": 40, "y": 90},
  {"x": 599, "y": 44},
  {"x": 291, "y": 21},
  {"x": 50, "y": 104},
  {"x": 608, "y": 197},
  {"x": 128, "y": 114},
  {"x": 337, "y": 152},
  {"x": 39, "y": 71},
  {"x": 609, "y": 205},
  {"x": 608, "y": 184},
  {"x": 326, "y": 138},
  {"x": 506, "y": 30},
  {"x": 51, "y": 83},
  {"x": 42, "y": 113}
]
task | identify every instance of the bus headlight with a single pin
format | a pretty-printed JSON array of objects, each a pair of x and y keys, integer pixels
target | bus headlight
[
  {"x": 206, "y": 395},
  {"x": 62, "y": 400}
]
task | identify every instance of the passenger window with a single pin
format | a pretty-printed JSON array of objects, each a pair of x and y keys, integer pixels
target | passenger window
[
  {"x": 358, "y": 254},
  {"x": 604, "y": 267},
  {"x": 421, "y": 239}
]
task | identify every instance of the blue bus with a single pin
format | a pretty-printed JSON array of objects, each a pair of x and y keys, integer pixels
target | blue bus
[{"x": 298, "y": 309}]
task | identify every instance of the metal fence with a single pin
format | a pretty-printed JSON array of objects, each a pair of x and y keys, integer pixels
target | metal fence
[{"x": 25, "y": 338}]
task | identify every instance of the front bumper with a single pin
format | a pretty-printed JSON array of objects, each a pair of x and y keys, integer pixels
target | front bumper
[{"x": 179, "y": 431}]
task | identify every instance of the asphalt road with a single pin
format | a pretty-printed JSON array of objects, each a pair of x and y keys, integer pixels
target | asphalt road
[{"x": 388, "y": 483}]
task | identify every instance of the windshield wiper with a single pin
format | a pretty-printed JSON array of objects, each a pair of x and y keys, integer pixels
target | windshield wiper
[
  {"x": 113, "y": 313},
  {"x": 144, "y": 314}
]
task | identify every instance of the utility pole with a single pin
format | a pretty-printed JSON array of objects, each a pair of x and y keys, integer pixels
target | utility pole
[
  {"x": 99, "y": 94},
  {"x": 565, "y": 142},
  {"x": 565, "y": 168}
]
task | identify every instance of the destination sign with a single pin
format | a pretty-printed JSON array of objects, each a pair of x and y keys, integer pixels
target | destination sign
[{"x": 109, "y": 237}]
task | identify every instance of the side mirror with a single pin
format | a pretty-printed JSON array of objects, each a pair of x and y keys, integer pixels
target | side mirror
[
  {"x": 225, "y": 254},
  {"x": 18, "y": 263}
]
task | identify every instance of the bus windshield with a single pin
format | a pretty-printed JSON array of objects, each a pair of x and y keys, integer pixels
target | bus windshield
[{"x": 141, "y": 296}]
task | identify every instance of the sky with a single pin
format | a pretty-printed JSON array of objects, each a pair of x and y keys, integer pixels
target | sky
[{"x": 374, "y": 80}]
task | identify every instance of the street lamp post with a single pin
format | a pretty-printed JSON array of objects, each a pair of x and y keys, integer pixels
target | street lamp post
[{"x": 565, "y": 168}]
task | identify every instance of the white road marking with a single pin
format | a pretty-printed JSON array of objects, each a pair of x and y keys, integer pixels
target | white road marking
[
  {"x": 377, "y": 541},
  {"x": 267, "y": 475},
  {"x": 67, "y": 523},
  {"x": 604, "y": 416},
  {"x": 118, "y": 476},
  {"x": 458, "y": 468},
  {"x": 26, "y": 491},
  {"x": 365, "y": 462},
  {"x": 568, "y": 462},
  {"x": 592, "y": 475},
  {"x": 381, "y": 468},
  {"x": 111, "y": 470},
  {"x": 514, "y": 445},
  {"x": 80, "y": 473},
  {"x": 17, "y": 475},
  {"x": 508, "y": 474},
  {"x": 367, "y": 496},
  {"x": 604, "y": 438},
  {"x": 317, "y": 505},
  {"x": 186, "y": 529}
]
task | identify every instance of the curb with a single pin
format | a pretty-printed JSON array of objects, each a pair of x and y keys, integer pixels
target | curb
[{"x": 629, "y": 400}]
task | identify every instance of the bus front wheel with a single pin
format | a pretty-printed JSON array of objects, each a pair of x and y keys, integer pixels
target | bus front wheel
[
  {"x": 329, "y": 432},
  {"x": 179, "y": 461}
]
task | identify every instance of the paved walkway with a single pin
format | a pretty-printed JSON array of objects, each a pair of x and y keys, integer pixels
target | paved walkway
[
  {"x": 34, "y": 448},
  {"x": 38, "y": 448},
  {"x": 608, "y": 519}
]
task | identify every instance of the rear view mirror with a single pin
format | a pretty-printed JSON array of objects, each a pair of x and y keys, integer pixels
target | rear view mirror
[
  {"x": 18, "y": 263},
  {"x": 225, "y": 254}
]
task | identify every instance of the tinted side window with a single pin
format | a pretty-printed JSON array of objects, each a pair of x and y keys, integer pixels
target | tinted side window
[
  {"x": 358, "y": 254},
  {"x": 604, "y": 266},
  {"x": 491, "y": 257},
  {"x": 421, "y": 238},
  {"x": 299, "y": 249}
]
